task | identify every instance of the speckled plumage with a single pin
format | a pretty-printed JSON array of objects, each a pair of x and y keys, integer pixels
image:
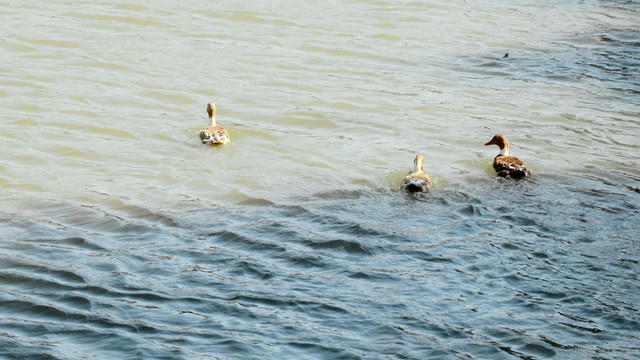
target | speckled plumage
[
  {"x": 418, "y": 180},
  {"x": 213, "y": 134},
  {"x": 504, "y": 164}
]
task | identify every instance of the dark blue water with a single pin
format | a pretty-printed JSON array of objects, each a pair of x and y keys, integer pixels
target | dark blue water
[{"x": 484, "y": 268}]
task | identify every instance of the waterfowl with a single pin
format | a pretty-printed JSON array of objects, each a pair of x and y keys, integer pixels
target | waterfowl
[
  {"x": 212, "y": 134},
  {"x": 417, "y": 180},
  {"x": 504, "y": 164}
]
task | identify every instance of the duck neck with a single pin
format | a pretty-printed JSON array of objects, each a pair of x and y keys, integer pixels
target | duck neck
[
  {"x": 213, "y": 120},
  {"x": 504, "y": 151}
]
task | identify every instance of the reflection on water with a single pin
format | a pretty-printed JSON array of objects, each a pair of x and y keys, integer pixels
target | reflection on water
[{"x": 122, "y": 236}]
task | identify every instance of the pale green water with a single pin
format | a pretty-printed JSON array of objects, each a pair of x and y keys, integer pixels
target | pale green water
[{"x": 119, "y": 227}]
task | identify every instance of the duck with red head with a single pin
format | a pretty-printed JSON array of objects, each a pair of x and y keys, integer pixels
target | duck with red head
[
  {"x": 212, "y": 134},
  {"x": 504, "y": 164},
  {"x": 418, "y": 180}
]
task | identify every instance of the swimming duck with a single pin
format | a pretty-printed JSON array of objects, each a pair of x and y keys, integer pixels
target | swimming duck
[
  {"x": 214, "y": 135},
  {"x": 504, "y": 164},
  {"x": 417, "y": 180}
]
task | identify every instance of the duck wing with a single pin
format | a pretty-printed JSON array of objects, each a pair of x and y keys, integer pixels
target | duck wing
[
  {"x": 214, "y": 135},
  {"x": 417, "y": 182},
  {"x": 510, "y": 166}
]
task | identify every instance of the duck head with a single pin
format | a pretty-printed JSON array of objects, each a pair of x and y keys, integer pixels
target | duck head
[
  {"x": 502, "y": 143},
  {"x": 211, "y": 110},
  {"x": 418, "y": 163}
]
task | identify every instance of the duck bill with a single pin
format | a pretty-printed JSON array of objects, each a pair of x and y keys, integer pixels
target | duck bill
[{"x": 490, "y": 143}]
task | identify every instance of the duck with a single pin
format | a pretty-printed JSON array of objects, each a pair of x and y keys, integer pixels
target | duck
[
  {"x": 504, "y": 164},
  {"x": 418, "y": 180},
  {"x": 213, "y": 134}
]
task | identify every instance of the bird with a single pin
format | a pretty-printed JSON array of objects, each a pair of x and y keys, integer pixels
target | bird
[
  {"x": 418, "y": 180},
  {"x": 212, "y": 134},
  {"x": 504, "y": 164}
]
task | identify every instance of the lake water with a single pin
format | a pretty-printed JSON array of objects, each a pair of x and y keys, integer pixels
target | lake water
[{"x": 122, "y": 236}]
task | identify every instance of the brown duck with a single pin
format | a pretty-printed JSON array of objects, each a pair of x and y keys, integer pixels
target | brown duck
[
  {"x": 504, "y": 164},
  {"x": 418, "y": 180},
  {"x": 212, "y": 134}
]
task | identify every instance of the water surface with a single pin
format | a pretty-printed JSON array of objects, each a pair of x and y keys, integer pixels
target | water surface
[{"x": 121, "y": 236}]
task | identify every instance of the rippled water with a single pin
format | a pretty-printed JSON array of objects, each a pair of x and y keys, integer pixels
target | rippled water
[{"x": 121, "y": 236}]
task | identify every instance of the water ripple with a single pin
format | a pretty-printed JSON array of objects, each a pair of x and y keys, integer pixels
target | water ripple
[{"x": 122, "y": 237}]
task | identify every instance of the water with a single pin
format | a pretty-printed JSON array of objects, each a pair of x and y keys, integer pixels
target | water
[{"x": 122, "y": 236}]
